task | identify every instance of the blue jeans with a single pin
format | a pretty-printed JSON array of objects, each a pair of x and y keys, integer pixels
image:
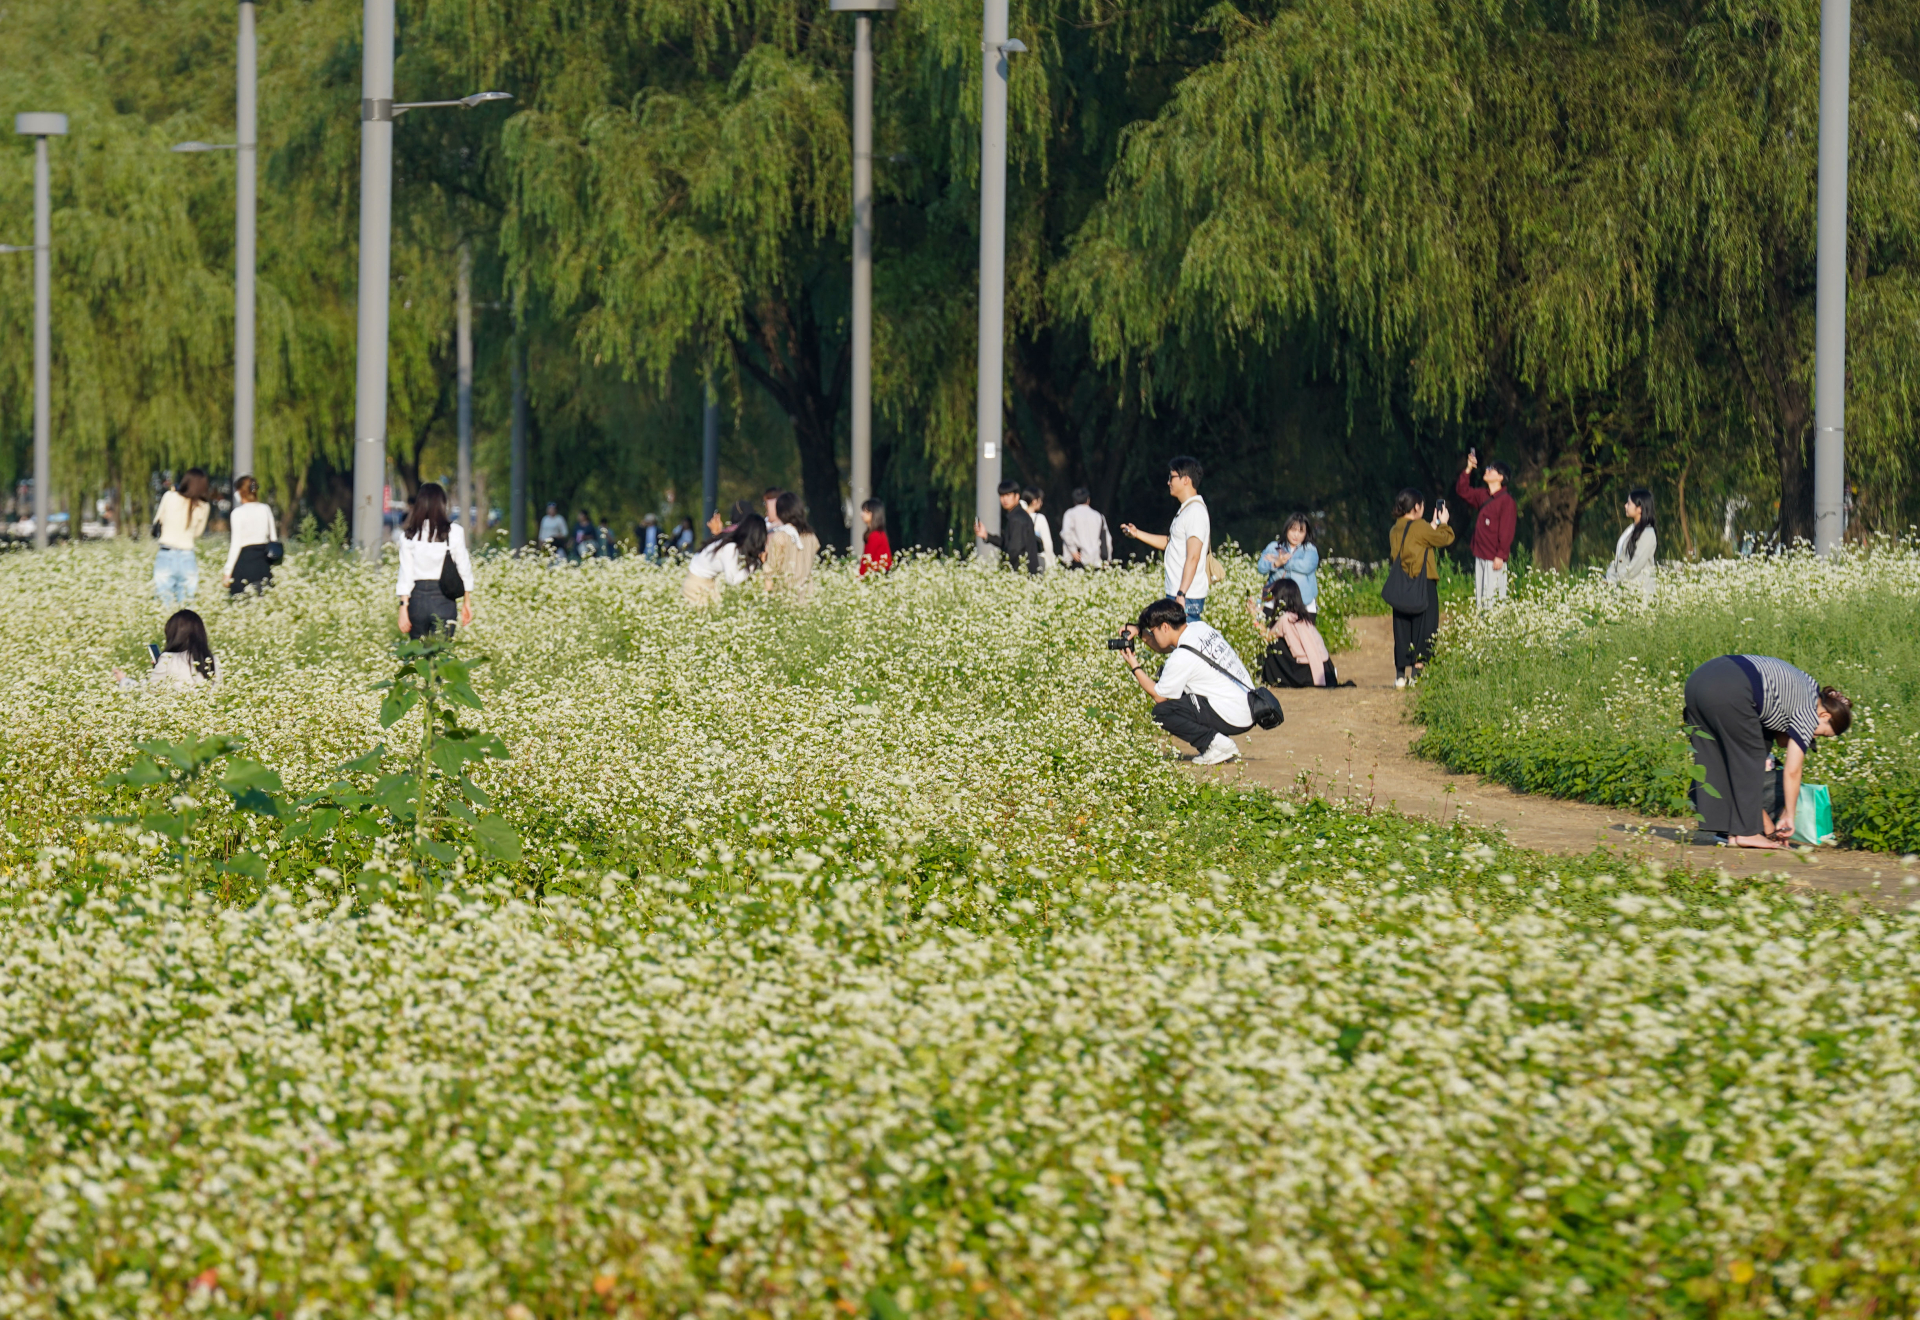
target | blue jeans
[
  {"x": 176, "y": 576},
  {"x": 1195, "y": 607}
]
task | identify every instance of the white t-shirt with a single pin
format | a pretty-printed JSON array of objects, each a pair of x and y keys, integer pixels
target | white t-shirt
[
  {"x": 720, "y": 561},
  {"x": 252, "y": 524},
  {"x": 421, "y": 559},
  {"x": 1186, "y": 672},
  {"x": 1192, "y": 520},
  {"x": 1045, "y": 535}
]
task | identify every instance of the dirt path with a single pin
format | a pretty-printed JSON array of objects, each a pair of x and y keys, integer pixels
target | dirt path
[{"x": 1355, "y": 744}]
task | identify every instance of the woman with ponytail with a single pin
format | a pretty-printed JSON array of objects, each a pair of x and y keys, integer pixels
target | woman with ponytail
[{"x": 1632, "y": 564}]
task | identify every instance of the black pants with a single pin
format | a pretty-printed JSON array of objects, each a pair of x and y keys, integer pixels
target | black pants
[
  {"x": 428, "y": 609},
  {"x": 251, "y": 569},
  {"x": 1193, "y": 720},
  {"x": 1278, "y": 668},
  {"x": 1730, "y": 744},
  {"x": 1413, "y": 633}
]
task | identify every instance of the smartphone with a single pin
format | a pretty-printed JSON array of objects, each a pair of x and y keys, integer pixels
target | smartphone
[{"x": 153, "y": 651}]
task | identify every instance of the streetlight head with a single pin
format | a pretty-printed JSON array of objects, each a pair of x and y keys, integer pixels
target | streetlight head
[
  {"x": 40, "y": 125},
  {"x": 481, "y": 98}
]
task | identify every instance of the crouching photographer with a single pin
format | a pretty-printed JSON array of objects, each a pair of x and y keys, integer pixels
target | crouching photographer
[{"x": 1204, "y": 695}]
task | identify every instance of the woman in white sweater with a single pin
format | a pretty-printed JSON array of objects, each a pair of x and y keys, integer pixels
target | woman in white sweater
[
  {"x": 1632, "y": 564},
  {"x": 177, "y": 526},
  {"x": 726, "y": 561},
  {"x": 252, "y": 531},
  {"x": 428, "y": 539}
]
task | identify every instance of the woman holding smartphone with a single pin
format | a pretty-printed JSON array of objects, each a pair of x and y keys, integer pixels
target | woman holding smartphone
[{"x": 428, "y": 541}]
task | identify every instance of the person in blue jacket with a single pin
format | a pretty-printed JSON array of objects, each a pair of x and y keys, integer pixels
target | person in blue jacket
[{"x": 1294, "y": 556}]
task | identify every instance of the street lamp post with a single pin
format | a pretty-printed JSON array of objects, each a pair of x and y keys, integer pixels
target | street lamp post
[
  {"x": 40, "y": 127},
  {"x": 1830, "y": 285},
  {"x": 994, "y": 50},
  {"x": 377, "y": 113},
  {"x": 861, "y": 421},
  {"x": 246, "y": 162}
]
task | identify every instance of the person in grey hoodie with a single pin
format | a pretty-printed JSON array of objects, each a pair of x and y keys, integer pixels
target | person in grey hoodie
[{"x": 1632, "y": 564}]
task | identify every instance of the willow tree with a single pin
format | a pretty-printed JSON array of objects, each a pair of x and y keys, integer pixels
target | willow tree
[{"x": 1508, "y": 217}]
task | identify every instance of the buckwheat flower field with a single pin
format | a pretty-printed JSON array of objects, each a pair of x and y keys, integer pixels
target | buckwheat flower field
[
  {"x": 1575, "y": 688},
  {"x": 868, "y": 958}
]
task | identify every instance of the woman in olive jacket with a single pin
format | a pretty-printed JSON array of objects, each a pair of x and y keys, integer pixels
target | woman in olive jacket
[{"x": 1415, "y": 544}]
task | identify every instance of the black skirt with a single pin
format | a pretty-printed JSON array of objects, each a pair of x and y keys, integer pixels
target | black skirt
[
  {"x": 1413, "y": 633},
  {"x": 251, "y": 569},
  {"x": 429, "y": 608}
]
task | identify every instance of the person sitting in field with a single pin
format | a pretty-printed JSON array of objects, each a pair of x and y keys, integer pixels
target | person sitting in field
[
  {"x": 187, "y": 660},
  {"x": 729, "y": 560},
  {"x": 1296, "y": 655},
  {"x": 792, "y": 549}
]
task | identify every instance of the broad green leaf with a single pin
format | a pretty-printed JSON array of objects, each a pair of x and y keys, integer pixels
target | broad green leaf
[
  {"x": 444, "y": 853},
  {"x": 244, "y": 863},
  {"x": 250, "y": 774},
  {"x": 497, "y": 839},
  {"x": 396, "y": 705}
]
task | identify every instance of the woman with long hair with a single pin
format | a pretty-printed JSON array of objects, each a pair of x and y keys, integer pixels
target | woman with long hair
[
  {"x": 728, "y": 560},
  {"x": 1296, "y": 655},
  {"x": 428, "y": 540},
  {"x": 188, "y": 657},
  {"x": 1293, "y": 555},
  {"x": 1413, "y": 542},
  {"x": 1632, "y": 564},
  {"x": 250, "y": 532},
  {"x": 791, "y": 547},
  {"x": 876, "y": 551},
  {"x": 178, "y": 525}
]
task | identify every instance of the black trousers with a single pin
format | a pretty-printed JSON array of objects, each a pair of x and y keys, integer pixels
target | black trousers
[
  {"x": 1730, "y": 744},
  {"x": 1193, "y": 720},
  {"x": 1413, "y": 633},
  {"x": 428, "y": 608}
]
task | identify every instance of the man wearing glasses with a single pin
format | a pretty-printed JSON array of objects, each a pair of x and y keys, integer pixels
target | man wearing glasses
[{"x": 1186, "y": 542}]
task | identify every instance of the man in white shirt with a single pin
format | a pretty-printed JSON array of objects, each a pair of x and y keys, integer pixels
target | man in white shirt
[
  {"x": 1187, "y": 541},
  {"x": 552, "y": 527},
  {"x": 1085, "y": 541},
  {"x": 1201, "y": 694}
]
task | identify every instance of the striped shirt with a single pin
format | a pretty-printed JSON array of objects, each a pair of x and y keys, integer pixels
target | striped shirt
[{"x": 1787, "y": 699}]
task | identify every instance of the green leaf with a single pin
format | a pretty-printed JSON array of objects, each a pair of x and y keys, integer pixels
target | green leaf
[
  {"x": 260, "y": 804},
  {"x": 367, "y": 762},
  {"x": 244, "y": 863},
  {"x": 441, "y": 852},
  {"x": 497, "y": 839},
  {"x": 242, "y": 775},
  {"x": 463, "y": 695},
  {"x": 396, "y": 705},
  {"x": 141, "y": 774},
  {"x": 162, "y": 822}
]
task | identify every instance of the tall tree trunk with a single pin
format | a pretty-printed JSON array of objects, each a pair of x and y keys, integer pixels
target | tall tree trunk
[
  {"x": 786, "y": 355},
  {"x": 1553, "y": 486}
]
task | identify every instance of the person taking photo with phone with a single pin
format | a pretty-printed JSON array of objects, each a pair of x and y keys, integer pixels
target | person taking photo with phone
[{"x": 1494, "y": 516}]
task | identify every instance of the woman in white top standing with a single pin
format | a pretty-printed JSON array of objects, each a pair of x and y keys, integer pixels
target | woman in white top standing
[
  {"x": 1033, "y": 498},
  {"x": 252, "y": 531},
  {"x": 177, "y": 526},
  {"x": 427, "y": 540},
  {"x": 1632, "y": 564},
  {"x": 726, "y": 561}
]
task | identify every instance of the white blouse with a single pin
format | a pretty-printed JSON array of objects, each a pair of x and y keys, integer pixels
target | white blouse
[
  {"x": 720, "y": 561},
  {"x": 421, "y": 559},
  {"x": 173, "y": 668},
  {"x": 251, "y": 524}
]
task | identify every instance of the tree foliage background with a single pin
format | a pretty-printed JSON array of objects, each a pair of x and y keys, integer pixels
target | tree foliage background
[{"x": 1327, "y": 247}]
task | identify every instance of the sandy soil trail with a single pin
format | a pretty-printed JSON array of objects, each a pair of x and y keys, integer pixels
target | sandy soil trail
[{"x": 1355, "y": 744}]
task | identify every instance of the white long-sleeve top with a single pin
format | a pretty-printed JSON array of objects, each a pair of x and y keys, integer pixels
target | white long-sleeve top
[
  {"x": 1045, "y": 533},
  {"x": 1634, "y": 567},
  {"x": 181, "y": 523},
  {"x": 421, "y": 559},
  {"x": 720, "y": 561},
  {"x": 251, "y": 524}
]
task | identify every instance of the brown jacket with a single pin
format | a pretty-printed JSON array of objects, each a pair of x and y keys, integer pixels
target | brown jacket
[{"x": 1410, "y": 541}]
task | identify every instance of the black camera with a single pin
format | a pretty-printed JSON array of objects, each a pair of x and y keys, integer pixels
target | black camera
[{"x": 1119, "y": 643}]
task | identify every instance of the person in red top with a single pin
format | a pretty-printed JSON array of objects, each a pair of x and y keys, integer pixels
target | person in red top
[
  {"x": 877, "y": 553},
  {"x": 1493, "y": 521}
]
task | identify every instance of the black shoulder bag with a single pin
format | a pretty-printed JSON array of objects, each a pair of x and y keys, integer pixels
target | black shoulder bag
[
  {"x": 452, "y": 585},
  {"x": 1404, "y": 593},
  {"x": 1261, "y": 704}
]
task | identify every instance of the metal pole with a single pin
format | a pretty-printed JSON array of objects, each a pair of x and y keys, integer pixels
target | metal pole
[
  {"x": 376, "y": 238},
  {"x": 42, "y": 344},
  {"x": 1830, "y": 285},
  {"x": 993, "y": 264},
  {"x": 709, "y": 455},
  {"x": 517, "y": 478},
  {"x": 463, "y": 382},
  {"x": 862, "y": 418},
  {"x": 246, "y": 161}
]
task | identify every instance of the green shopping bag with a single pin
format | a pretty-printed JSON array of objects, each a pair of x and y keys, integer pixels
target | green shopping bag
[{"x": 1813, "y": 815}]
